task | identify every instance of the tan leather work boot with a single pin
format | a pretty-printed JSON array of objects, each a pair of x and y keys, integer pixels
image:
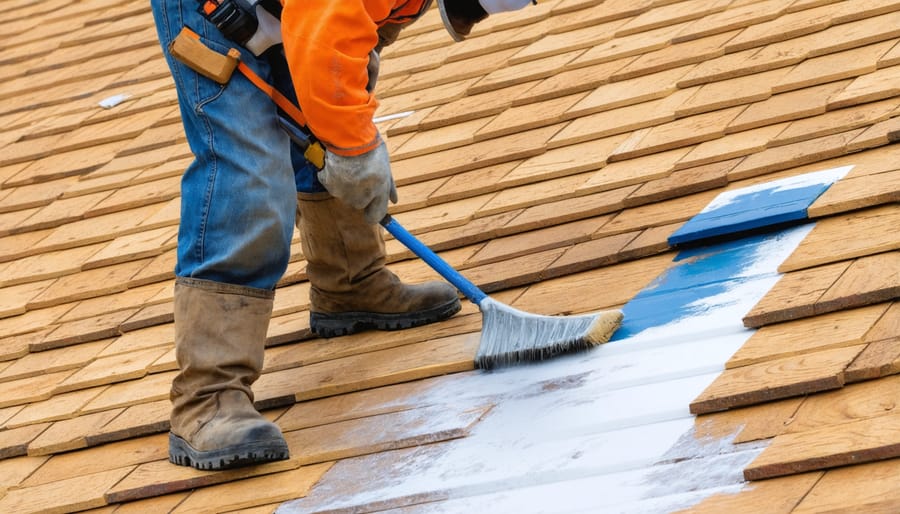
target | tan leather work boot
[
  {"x": 352, "y": 290},
  {"x": 220, "y": 333}
]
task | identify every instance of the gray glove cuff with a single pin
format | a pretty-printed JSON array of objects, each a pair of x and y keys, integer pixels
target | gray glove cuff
[{"x": 363, "y": 181}]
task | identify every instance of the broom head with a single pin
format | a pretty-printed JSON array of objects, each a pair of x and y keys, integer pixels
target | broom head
[{"x": 510, "y": 336}]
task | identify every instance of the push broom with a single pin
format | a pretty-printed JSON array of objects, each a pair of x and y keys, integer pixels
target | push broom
[{"x": 508, "y": 335}]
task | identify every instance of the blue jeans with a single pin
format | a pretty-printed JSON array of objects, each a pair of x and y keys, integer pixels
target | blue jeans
[{"x": 238, "y": 196}]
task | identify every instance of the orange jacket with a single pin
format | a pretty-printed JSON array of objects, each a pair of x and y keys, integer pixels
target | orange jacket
[{"x": 327, "y": 45}]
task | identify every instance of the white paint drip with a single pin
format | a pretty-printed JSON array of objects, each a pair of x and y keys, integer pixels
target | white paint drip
[
  {"x": 395, "y": 116},
  {"x": 824, "y": 177},
  {"x": 602, "y": 431},
  {"x": 112, "y": 101}
]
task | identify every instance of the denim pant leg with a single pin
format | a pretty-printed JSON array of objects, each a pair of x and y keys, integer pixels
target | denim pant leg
[{"x": 238, "y": 195}]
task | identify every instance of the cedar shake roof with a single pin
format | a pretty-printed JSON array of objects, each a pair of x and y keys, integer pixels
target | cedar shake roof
[{"x": 550, "y": 157}]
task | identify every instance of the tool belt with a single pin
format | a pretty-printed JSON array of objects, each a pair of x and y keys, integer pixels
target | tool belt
[
  {"x": 253, "y": 24},
  {"x": 189, "y": 50}
]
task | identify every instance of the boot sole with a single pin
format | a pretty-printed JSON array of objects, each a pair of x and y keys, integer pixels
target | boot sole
[
  {"x": 183, "y": 454},
  {"x": 345, "y": 323}
]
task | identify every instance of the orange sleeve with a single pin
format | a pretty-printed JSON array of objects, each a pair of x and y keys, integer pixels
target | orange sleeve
[{"x": 327, "y": 45}]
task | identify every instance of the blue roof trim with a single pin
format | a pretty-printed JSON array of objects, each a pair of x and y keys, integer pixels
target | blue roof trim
[{"x": 763, "y": 205}]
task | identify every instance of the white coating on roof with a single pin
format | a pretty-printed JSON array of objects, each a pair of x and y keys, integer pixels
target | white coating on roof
[{"x": 604, "y": 431}]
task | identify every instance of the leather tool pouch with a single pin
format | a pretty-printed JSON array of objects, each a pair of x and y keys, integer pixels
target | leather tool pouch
[{"x": 188, "y": 49}]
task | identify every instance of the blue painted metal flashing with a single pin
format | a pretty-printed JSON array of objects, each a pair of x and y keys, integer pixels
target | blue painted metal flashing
[
  {"x": 701, "y": 278},
  {"x": 756, "y": 207}
]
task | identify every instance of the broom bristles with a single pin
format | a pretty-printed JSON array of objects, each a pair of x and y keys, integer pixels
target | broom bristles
[{"x": 510, "y": 336}]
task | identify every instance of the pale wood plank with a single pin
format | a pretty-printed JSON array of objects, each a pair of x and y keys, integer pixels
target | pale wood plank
[
  {"x": 622, "y": 173},
  {"x": 254, "y": 491},
  {"x": 69, "y": 434},
  {"x": 55, "y": 408},
  {"x": 794, "y": 295},
  {"x": 870, "y": 87},
  {"x": 683, "y": 181},
  {"x": 163, "y": 503},
  {"x": 409, "y": 362},
  {"x": 731, "y": 92},
  {"x": 802, "y": 103},
  {"x": 680, "y": 133},
  {"x": 589, "y": 255},
  {"x": 443, "y": 138},
  {"x": 657, "y": 214},
  {"x": 592, "y": 290},
  {"x": 879, "y": 134},
  {"x": 32, "y": 389},
  {"x": 99, "y": 327},
  {"x": 868, "y": 280},
  {"x": 628, "y": 45},
  {"x": 787, "y": 26},
  {"x": 856, "y": 442},
  {"x": 793, "y": 155},
  {"x": 776, "y": 379},
  {"x": 734, "y": 17},
  {"x": 621, "y": 120},
  {"x": 14, "y": 299},
  {"x": 854, "y": 192},
  {"x": 732, "y": 146},
  {"x": 563, "y": 160},
  {"x": 861, "y": 488},
  {"x": 161, "y": 477},
  {"x": 519, "y": 71},
  {"x": 838, "y": 121},
  {"x": 14, "y": 471},
  {"x": 828, "y": 241},
  {"x": 844, "y": 328},
  {"x": 369, "y": 402},
  {"x": 47, "y": 265},
  {"x": 131, "y": 298},
  {"x": 322, "y": 350},
  {"x": 752, "y": 423},
  {"x": 463, "y": 109},
  {"x": 569, "y": 82},
  {"x": 879, "y": 359},
  {"x": 80, "y": 493},
  {"x": 630, "y": 92},
  {"x": 135, "y": 421},
  {"x": 89, "y": 283},
  {"x": 525, "y": 117},
  {"x": 53, "y": 360},
  {"x": 676, "y": 54},
  {"x": 382, "y": 432},
  {"x": 115, "y": 368},
  {"x": 577, "y": 39},
  {"x": 14, "y": 442},
  {"x": 533, "y": 194},
  {"x": 495, "y": 151},
  {"x": 571, "y": 209},
  {"x": 101, "y": 458},
  {"x": 848, "y": 64},
  {"x": 851, "y": 403},
  {"x": 779, "y": 495}
]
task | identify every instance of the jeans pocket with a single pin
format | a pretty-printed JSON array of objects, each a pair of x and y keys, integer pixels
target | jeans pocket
[{"x": 200, "y": 90}]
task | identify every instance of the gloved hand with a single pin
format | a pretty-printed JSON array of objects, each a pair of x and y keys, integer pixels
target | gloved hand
[{"x": 362, "y": 181}]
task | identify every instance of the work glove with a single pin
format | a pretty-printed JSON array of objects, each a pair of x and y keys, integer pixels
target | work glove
[{"x": 362, "y": 181}]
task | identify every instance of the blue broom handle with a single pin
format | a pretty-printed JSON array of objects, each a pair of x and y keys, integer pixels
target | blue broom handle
[{"x": 472, "y": 292}]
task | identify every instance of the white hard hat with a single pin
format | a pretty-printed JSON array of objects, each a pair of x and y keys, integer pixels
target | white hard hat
[{"x": 462, "y": 15}]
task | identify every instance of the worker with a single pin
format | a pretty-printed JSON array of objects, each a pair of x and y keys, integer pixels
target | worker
[{"x": 250, "y": 180}]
